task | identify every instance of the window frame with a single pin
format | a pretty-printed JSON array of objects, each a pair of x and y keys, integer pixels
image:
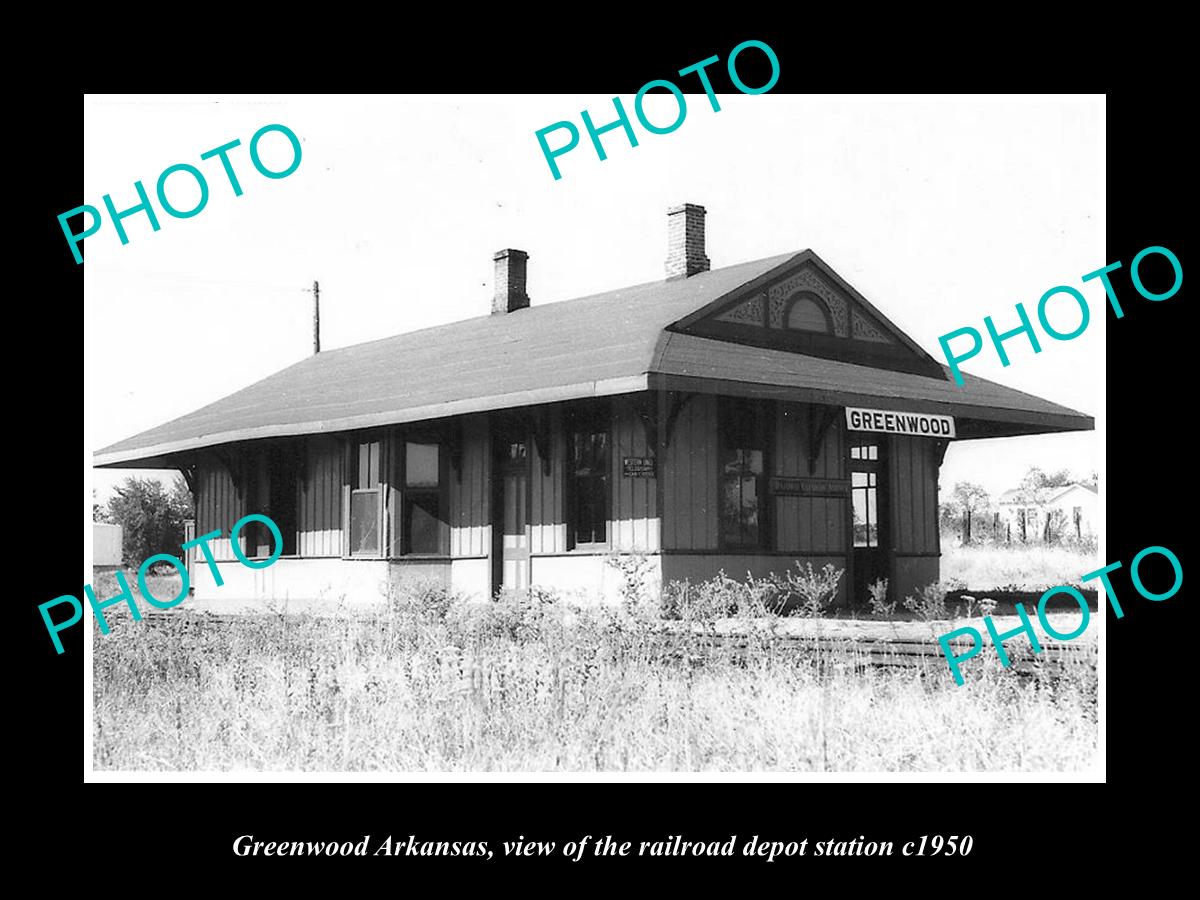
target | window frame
[
  {"x": 867, "y": 454},
  {"x": 806, "y": 296},
  {"x": 353, "y": 455},
  {"x": 764, "y": 433},
  {"x": 595, "y": 417},
  {"x": 402, "y": 527}
]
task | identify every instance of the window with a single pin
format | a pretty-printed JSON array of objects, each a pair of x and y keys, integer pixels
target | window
[
  {"x": 366, "y": 499},
  {"x": 807, "y": 313},
  {"x": 423, "y": 527},
  {"x": 741, "y": 469},
  {"x": 864, "y": 491},
  {"x": 588, "y": 473}
]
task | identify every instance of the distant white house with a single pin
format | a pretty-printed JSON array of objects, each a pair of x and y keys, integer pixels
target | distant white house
[{"x": 1071, "y": 510}]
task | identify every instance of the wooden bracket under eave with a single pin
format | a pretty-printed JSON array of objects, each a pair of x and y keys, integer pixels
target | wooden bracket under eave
[
  {"x": 819, "y": 420},
  {"x": 940, "y": 447},
  {"x": 645, "y": 407},
  {"x": 539, "y": 424},
  {"x": 187, "y": 470},
  {"x": 455, "y": 441},
  {"x": 676, "y": 401},
  {"x": 231, "y": 466}
]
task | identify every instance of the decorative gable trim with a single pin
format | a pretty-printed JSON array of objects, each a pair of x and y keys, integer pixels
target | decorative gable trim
[{"x": 757, "y": 314}]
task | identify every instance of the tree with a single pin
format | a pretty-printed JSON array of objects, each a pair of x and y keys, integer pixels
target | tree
[
  {"x": 1061, "y": 478},
  {"x": 968, "y": 498},
  {"x": 150, "y": 517},
  {"x": 99, "y": 513}
]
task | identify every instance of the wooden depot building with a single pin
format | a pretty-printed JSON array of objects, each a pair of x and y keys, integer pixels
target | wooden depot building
[{"x": 740, "y": 418}]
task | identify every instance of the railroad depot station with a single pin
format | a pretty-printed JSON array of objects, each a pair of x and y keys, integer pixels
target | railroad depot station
[{"x": 740, "y": 418}]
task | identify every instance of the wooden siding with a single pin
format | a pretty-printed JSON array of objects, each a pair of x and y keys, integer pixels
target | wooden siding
[
  {"x": 633, "y": 502},
  {"x": 319, "y": 515},
  {"x": 633, "y": 524},
  {"x": 808, "y": 524},
  {"x": 470, "y": 498},
  {"x": 218, "y": 505},
  {"x": 689, "y": 473},
  {"x": 912, "y": 471},
  {"x": 547, "y": 507},
  {"x": 801, "y": 524}
]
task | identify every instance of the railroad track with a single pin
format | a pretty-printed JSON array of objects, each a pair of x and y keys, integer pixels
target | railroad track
[{"x": 831, "y": 642}]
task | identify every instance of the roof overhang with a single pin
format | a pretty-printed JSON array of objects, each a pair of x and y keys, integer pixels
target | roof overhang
[
  {"x": 971, "y": 421},
  {"x": 164, "y": 455}
]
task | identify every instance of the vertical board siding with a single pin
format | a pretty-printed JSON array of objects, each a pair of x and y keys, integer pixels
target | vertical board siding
[
  {"x": 634, "y": 501},
  {"x": 689, "y": 472},
  {"x": 218, "y": 505},
  {"x": 469, "y": 499},
  {"x": 320, "y": 508},
  {"x": 913, "y": 495},
  {"x": 808, "y": 524},
  {"x": 547, "y": 520}
]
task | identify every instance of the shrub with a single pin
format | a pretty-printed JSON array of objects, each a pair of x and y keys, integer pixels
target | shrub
[
  {"x": 425, "y": 599},
  {"x": 637, "y": 574},
  {"x": 930, "y": 602},
  {"x": 150, "y": 517},
  {"x": 716, "y": 598},
  {"x": 880, "y": 608},
  {"x": 816, "y": 590}
]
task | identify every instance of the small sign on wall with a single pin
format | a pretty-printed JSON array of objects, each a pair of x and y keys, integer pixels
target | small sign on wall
[
  {"x": 898, "y": 422},
  {"x": 638, "y": 466}
]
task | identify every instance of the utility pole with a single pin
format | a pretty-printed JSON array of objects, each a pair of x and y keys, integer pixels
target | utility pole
[{"x": 316, "y": 290}]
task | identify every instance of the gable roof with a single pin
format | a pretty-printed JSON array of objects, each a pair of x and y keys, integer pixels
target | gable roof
[
  {"x": 610, "y": 343},
  {"x": 811, "y": 258}
]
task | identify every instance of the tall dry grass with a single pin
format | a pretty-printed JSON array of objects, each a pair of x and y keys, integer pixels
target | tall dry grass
[
  {"x": 436, "y": 684},
  {"x": 1016, "y": 567}
]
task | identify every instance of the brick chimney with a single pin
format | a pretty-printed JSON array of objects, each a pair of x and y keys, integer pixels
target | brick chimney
[
  {"x": 685, "y": 241},
  {"x": 510, "y": 282}
]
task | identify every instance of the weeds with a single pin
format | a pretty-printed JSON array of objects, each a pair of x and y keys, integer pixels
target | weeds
[
  {"x": 930, "y": 602},
  {"x": 880, "y": 608},
  {"x": 436, "y": 682}
]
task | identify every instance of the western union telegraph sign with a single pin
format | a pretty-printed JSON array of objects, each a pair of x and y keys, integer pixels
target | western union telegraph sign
[{"x": 897, "y": 422}]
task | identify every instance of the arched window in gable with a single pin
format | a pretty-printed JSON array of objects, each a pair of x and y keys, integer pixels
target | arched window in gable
[{"x": 807, "y": 313}]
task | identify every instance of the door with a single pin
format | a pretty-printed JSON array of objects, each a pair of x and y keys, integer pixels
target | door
[
  {"x": 510, "y": 518},
  {"x": 868, "y": 499}
]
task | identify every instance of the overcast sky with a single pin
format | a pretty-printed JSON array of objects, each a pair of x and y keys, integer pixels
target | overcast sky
[{"x": 940, "y": 211}]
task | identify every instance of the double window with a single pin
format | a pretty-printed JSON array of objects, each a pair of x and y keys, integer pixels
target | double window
[
  {"x": 742, "y": 466},
  {"x": 588, "y": 472},
  {"x": 411, "y": 470}
]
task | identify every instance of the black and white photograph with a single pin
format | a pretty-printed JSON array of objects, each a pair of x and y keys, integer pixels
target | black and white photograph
[{"x": 437, "y": 435}]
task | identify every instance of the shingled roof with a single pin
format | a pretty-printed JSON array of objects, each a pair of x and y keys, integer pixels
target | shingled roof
[{"x": 611, "y": 343}]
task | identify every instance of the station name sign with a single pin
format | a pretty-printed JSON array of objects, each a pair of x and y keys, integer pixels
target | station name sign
[{"x": 898, "y": 422}]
